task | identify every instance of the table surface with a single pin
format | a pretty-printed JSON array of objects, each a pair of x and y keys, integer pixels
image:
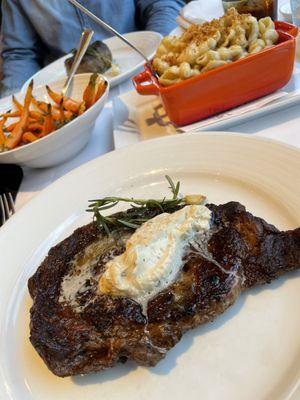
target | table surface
[{"x": 283, "y": 126}]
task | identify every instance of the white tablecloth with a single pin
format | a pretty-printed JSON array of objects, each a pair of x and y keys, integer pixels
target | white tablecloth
[{"x": 283, "y": 126}]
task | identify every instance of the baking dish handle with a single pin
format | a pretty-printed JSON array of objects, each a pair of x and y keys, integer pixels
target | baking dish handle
[
  {"x": 144, "y": 83},
  {"x": 287, "y": 28}
]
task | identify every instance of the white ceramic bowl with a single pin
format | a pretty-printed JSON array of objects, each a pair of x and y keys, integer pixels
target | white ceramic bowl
[{"x": 64, "y": 143}]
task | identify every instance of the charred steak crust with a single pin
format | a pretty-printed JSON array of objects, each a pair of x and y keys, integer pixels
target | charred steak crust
[{"x": 243, "y": 251}]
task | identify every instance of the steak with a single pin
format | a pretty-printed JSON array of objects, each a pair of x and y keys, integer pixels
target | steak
[{"x": 77, "y": 330}]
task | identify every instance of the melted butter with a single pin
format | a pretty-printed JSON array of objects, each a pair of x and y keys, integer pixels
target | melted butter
[
  {"x": 153, "y": 256},
  {"x": 81, "y": 277}
]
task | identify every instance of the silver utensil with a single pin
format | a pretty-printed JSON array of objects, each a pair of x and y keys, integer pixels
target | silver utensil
[
  {"x": 7, "y": 207},
  {"x": 85, "y": 39},
  {"x": 113, "y": 31}
]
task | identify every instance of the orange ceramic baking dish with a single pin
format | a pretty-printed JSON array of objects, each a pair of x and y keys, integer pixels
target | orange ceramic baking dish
[{"x": 228, "y": 86}]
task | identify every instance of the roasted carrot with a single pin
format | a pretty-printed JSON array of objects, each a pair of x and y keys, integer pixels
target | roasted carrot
[
  {"x": 45, "y": 118},
  {"x": 2, "y": 136},
  {"x": 48, "y": 123},
  {"x": 17, "y": 104},
  {"x": 11, "y": 114},
  {"x": 57, "y": 114},
  {"x": 16, "y": 135},
  {"x": 57, "y": 98},
  {"x": 89, "y": 93},
  {"x": 32, "y": 120},
  {"x": 35, "y": 126},
  {"x": 36, "y": 115},
  {"x": 62, "y": 115},
  {"x": 43, "y": 106},
  {"x": 68, "y": 103},
  {"x": 100, "y": 90},
  {"x": 40, "y": 105},
  {"x": 82, "y": 108},
  {"x": 71, "y": 105},
  {"x": 62, "y": 112},
  {"x": 29, "y": 137},
  {"x": 68, "y": 115},
  {"x": 35, "y": 102},
  {"x": 10, "y": 127}
]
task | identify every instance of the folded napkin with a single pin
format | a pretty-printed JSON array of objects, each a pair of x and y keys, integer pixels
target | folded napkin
[
  {"x": 10, "y": 179},
  {"x": 199, "y": 11}
]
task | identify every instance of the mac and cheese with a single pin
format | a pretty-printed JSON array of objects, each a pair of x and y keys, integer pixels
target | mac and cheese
[{"x": 204, "y": 47}]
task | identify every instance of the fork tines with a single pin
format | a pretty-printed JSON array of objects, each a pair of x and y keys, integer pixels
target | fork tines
[{"x": 7, "y": 207}]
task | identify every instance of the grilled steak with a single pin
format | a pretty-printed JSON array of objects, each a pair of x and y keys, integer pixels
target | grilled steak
[{"x": 76, "y": 331}]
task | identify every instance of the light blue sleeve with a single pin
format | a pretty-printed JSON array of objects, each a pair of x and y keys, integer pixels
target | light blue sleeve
[
  {"x": 158, "y": 15},
  {"x": 21, "y": 48}
]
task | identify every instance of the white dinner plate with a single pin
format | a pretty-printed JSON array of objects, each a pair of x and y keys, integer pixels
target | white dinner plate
[
  {"x": 250, "y": 352},
  {"x": 128, "y": 60}
]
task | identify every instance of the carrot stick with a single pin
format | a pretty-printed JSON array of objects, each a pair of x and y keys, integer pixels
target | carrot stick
[
  {"x": 29, "y": 137},
  {"x": 57, "y": 114},
  {"x": 100, "y": 90},
  {"x": 16, "y": 135},
  {"x": 56, "y": 107},
  {"x": 35, "y": 102},
  {"x": 90, "y": 91},
  {"x": 11, "y": 114},
  {"x": 68, "y": 115},
  {"x": 54, "y": 96},
  {"x": 10, "y": 127},
  {"x": 35, "y": 126},
  {"x": 82, "y": 108},
  {"x": 2, "y": 136},
  {"x": 68, "y": 103},
  {"x": 17, "y": 104},
  {"x": 71, "y": 105},
  {"x": 40, "y": 105},
  {"x": 36, "y": 115},
  {"x": 48, "y": 124},
  {"x": 43, "y": 106},
  {"x": 32, "y": 120},
  {"x": 62, "y": 112}
]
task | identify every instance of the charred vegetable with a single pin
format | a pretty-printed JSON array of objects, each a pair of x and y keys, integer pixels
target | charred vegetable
[{"x": 97, "y": 59}]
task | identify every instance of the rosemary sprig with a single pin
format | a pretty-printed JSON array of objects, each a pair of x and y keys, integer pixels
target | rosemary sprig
[
  {"x": 174, "y": 189},
  {"x": 141, "y": 210}
]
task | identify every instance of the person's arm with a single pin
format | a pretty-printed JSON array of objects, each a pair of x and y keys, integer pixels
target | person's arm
[
  {"x": 158, "y": 15},
  {"x": 21, "y": 48}
]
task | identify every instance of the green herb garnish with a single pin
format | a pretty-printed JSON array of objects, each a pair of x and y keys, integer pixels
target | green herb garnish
[{"x": 141, "y": 210}]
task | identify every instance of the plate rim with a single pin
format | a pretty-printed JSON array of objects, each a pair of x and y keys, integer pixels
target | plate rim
[{"x": 181, "y": 136}]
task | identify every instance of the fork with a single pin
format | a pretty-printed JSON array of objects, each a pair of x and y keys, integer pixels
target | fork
[
  {"x": 7, "y": 207},
  {"x": 85, "y": 39}
]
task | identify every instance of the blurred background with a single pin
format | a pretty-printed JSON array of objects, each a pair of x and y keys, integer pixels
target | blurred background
[{"x": 186, "y": 1}]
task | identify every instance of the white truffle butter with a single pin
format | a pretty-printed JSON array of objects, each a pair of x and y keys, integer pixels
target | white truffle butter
[{"x": 153, "y": 256}]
